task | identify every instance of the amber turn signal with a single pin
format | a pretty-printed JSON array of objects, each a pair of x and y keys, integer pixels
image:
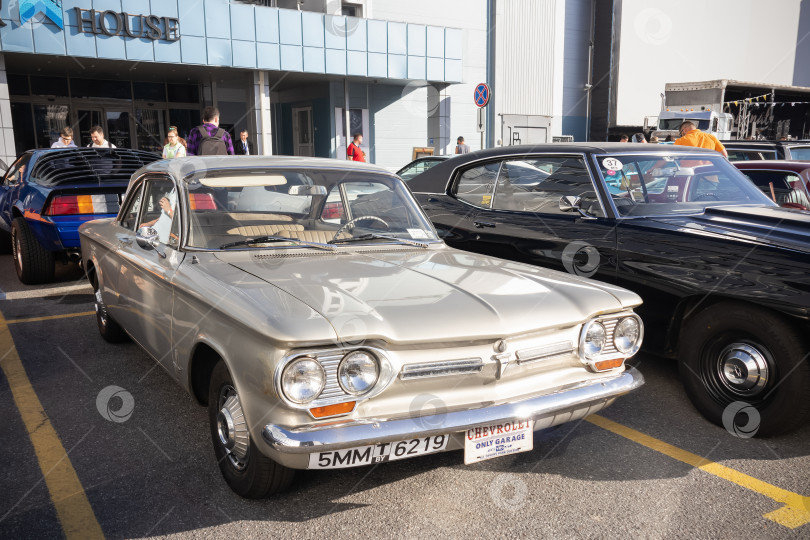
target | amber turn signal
[
  {"x": 608, "y": 364},
  {"x": 332, "y": 410}
]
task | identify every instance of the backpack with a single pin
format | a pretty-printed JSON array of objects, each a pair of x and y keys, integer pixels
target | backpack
[{"x": 212, "y": 145}]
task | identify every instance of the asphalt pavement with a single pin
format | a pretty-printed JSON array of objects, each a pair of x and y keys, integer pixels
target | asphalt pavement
[{"x": 141, "y": 456}]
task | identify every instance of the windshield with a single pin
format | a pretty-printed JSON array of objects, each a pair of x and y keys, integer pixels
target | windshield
[
  {"x": 654, "y": 185},
  {"x": 670, "y": 124},
  {"x": 417, "y": 167},
  {"x": 237, "y": 208}
]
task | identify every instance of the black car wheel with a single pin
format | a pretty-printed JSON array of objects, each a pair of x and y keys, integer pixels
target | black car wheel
[
  {"x": 247, "y": 471},
  {"x": 33, "y": 263},
  {"x": 733, "y": 357}
]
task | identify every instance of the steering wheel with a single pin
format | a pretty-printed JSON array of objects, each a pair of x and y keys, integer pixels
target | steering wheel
[
  {"x": 351, "y": 223},
  {"x": 707, "y": 197}
]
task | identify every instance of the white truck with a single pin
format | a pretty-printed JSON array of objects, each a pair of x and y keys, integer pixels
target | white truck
[{"x": 730, "y": 109}]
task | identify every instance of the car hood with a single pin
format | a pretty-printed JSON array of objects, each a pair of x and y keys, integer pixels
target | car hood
[
  {"x": 403, "y": 295},
  {"x": 769, "y": 225}
]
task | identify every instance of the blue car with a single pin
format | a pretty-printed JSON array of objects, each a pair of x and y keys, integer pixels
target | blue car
[{"x": 46, "y": 194}]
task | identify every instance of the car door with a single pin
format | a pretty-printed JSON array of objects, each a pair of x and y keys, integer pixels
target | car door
[
  {"x": 455, "y": 214},
  {"x": 520, "y": 217},
  {"x": 143, "y": 277},
  {"x": 10, "y": 188}
]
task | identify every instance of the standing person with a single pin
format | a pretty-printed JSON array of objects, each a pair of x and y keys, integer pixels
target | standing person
[
  {"x": 623, "y": 137},
  {"x": 65, "y": 139},
  {"x": 97, "y": 136},
  {"x": 462, "y": 148},
  {"x": 173, "y": 147},
  {"x": 209, "y": 139},
  {"x": 654, "y": 140},
  {"x": 244, "y": 147},
  {"x": 353, "y": 151},
  {"x": 691, "y": 136},
  {"x": 639, "y": 138}
]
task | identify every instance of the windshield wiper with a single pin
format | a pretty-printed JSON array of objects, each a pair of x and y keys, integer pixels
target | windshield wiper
[
  {"x": 273, "y": 238},
  {"x": 373, "y": 236}
]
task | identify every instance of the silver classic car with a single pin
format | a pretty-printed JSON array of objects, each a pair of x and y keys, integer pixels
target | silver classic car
[{"x": 311, "y": 306}]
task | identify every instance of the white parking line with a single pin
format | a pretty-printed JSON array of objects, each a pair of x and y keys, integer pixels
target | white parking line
[{"x": 42, "y": 293}]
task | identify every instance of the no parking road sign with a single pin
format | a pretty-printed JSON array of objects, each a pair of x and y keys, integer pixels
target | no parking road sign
[{"x": 481, "y": 95}]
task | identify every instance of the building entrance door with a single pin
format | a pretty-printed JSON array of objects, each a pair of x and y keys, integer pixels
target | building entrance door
[
  {"x": 302, "y": 131},
  {"x": 114, "y": 121}
]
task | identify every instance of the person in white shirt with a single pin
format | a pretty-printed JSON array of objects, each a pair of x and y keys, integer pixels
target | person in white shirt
[
  {"x": 65, "y": 139},
  {"x": 174, "y": 148},
  {"x": 97, "y": 136}
]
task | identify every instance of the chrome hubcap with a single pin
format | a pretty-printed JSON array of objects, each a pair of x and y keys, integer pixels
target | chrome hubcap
[
  {"x": 101, "y": 309},
  {"x": 743, "y": 369},
  {"x": 233, "y": 432},
  {"x": 16, "y": 247}
]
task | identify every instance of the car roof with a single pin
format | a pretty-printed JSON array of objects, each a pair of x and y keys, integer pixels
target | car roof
[
  {"x": 425, "y": 182},
  {"x": 768, "y": 144},
  {"x": 771, "y": 164},
  {"x": 185, "y": 166}
]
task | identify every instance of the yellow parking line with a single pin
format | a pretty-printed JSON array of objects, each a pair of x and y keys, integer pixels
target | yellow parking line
[
  {"x": 68, "y": 496},
  {"x": 796, "y": 511},
  {"x": 50, "y": 317}
]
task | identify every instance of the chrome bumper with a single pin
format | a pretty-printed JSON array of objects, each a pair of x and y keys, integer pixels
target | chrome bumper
[{"x": 353, "y": 433}]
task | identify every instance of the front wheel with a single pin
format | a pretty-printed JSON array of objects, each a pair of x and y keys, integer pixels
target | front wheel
[
  {"x": 745, "y": 369},
  {"x": 247, "y": 471}
]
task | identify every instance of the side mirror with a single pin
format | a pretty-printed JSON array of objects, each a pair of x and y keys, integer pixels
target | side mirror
[
  {"x": 307, "y": 190},
  {"x": 148, "y": 238},
  {"x": 569, "y": 203}
]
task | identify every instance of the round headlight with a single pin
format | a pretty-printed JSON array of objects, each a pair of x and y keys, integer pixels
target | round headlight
[
  {"x": 594, "y": 341},
  {"x": 357, "y": 372},
  {"x": 303, "y": 380},
  {"x": 627, "y": 336}
]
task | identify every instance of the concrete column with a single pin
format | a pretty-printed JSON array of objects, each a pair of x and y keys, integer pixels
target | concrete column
[
  {"x": 7, "y": 150},
  {"x": 261, "y": 106},
  {"x": 439, "y": 128}
]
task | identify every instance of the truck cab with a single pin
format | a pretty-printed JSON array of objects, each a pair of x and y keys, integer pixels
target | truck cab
[{"x": 717, "y": 123}]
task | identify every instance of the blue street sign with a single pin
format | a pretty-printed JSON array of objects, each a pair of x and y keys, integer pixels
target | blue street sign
[{"x": 481, "y": 96}]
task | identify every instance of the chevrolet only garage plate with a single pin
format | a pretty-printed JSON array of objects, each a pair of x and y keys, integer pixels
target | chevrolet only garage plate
[
  {"x": 378, "y": 453},
  {"x": 497, "y": 440}
]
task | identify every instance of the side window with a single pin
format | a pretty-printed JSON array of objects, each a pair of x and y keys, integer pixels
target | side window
[
  {"x": 159, "y": 209},
  {"x": 537, "y": 184},
  {"x": 476, "y": 185},
  {"x": 16, "y": 172},
  {"x": 129, "y": 218}
]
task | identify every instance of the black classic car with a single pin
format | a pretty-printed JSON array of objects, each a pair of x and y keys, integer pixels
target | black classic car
[
  {"x": 724, "y": 272},
  {"x": 756, "y": 150}
]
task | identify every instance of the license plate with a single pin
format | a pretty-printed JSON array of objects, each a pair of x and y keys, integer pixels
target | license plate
[
  {"x": 497, "y": 440},
  {"x": 378, "y": 453}
]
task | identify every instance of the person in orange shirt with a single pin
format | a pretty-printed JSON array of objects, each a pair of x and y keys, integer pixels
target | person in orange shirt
[
  {"x": 691, "y": 136},
  {"x": 354, "y": 152}
]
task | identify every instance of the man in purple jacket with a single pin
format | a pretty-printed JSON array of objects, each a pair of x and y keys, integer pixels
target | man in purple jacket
[{"x": 209, "y": 138}]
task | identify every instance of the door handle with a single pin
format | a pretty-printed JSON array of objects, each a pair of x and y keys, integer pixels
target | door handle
[{"x": 482, "y": 224}]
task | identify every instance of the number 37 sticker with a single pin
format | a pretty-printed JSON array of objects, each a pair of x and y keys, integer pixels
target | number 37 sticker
[{"x": 612, "y": 164}]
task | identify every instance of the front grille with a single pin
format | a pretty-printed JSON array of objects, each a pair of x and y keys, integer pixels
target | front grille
[
  {"x": 441, "y": 368},
  {"x": 332, "y": 390},
  {"x": 610, "y": 327},
  {"x": 545, "y": 352}
]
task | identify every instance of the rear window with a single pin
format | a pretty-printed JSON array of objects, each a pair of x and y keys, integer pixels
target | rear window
[{"x": 83, "y": 165}]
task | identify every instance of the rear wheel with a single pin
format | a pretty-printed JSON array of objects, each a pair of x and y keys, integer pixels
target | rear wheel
[
  {"x": 247, "y": 471},
  {"x": 745, "y": 369},
  {"x": 33, "y": 263}
]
